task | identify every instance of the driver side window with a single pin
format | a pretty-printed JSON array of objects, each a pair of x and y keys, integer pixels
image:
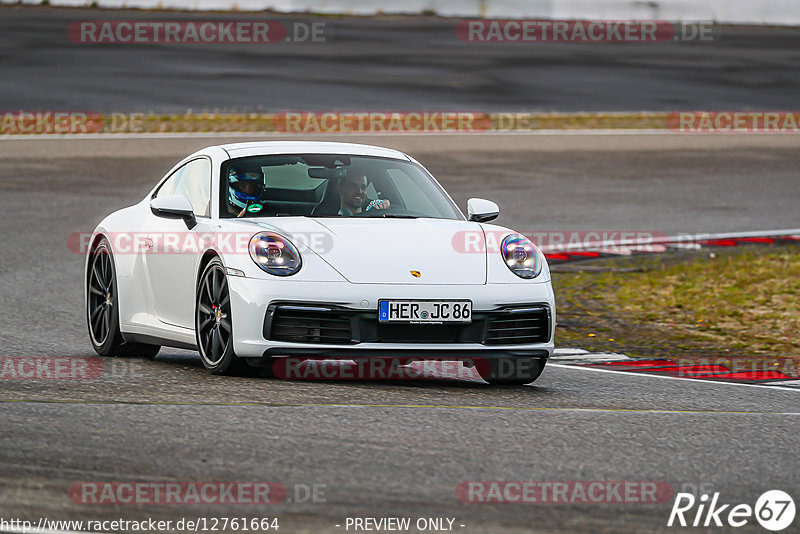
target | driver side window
[{"x": 193, "y": 181}]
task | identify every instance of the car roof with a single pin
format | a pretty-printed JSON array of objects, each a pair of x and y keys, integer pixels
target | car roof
[{"x": 263, "y": 148}]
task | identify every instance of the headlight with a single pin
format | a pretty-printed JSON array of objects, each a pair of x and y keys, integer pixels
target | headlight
[
  {"x": 521, "y": 256},
  {"x": 275, "y": 254}
]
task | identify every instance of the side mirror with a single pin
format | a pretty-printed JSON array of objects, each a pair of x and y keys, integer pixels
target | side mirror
[
  {"x": 174, "y": 207},
  {"x": 482, "y": 210}
]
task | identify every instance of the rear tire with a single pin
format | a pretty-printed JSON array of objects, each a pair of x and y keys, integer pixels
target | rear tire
[
  {"x": 213, "y": 324},
  {"x": 102, "y": 308},
  {"x": 512, "y": 371}
]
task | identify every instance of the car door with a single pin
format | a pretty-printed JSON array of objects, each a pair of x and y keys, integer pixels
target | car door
[{"x": 172, "y": 252}]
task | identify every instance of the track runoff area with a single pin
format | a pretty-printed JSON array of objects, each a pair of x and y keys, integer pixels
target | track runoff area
[{"x": 612, "y": 244}]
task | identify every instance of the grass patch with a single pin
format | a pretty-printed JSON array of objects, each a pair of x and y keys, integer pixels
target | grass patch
[{"x": 742, "y": 302}]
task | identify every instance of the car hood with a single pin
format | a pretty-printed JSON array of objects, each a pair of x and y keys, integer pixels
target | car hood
[{"x": 389, "y": 251}]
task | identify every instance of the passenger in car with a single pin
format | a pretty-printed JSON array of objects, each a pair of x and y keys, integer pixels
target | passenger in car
[{"x": 352, "y": 191}]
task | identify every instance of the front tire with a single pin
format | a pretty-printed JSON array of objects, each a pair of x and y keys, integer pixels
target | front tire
[
  {"x": 214, "y": 324},
  {"x": 102, "y": 308},
  {"x": 512, "y": 371}
]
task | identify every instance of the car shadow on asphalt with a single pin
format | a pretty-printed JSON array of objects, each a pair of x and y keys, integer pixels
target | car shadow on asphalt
[{"x": 335, "y": 373}]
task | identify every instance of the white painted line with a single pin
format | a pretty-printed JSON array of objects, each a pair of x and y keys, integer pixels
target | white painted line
[
  {"x": 664, "y": 377},
  {"x": 588, "y": 357},
  {"x": 578, "y": 361},
  {"x": 560, "y": 352},
  {"x": 686, "y": 246},
  {"x": 788, "y": 383}
]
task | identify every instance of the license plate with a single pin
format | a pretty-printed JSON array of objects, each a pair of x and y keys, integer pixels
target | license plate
[{"x": 425, "y": 311}]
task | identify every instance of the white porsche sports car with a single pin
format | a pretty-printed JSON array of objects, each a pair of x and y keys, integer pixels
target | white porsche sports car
[{"x": 251, "y": 252}]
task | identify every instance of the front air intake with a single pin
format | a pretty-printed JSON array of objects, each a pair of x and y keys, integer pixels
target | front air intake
[
  {"x": 519, "y": 326},
  {"x": 310, "y": 325}
]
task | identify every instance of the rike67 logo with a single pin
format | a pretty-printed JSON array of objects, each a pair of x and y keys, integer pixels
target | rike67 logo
[{"x": 774, "y": 510}]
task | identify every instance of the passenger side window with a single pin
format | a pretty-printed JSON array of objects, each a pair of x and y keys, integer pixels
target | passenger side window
[
  {"x": 413, "y": 197},
  {"x": 193, "y": 181}
]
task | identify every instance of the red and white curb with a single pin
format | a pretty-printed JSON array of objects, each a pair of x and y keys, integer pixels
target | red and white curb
[
  {"x": 568, "y": 252},
  {"x": 666, "y": 368}
]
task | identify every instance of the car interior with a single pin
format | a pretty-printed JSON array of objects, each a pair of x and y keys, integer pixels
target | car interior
[{"x": 292, "y": 186}]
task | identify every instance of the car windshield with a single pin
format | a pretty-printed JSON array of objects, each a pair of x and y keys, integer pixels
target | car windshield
[{"x": 320, "y": 185}]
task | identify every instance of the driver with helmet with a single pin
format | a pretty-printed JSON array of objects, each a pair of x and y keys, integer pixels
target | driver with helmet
[{"x": 245, "y": 189}]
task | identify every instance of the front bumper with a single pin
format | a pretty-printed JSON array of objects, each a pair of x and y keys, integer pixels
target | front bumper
[{"x": 251, "y": 300}]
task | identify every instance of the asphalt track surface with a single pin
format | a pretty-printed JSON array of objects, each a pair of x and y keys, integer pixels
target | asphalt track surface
[
  {"x": 388, "y": 449},
  {"x": 390, "y": 63}
]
